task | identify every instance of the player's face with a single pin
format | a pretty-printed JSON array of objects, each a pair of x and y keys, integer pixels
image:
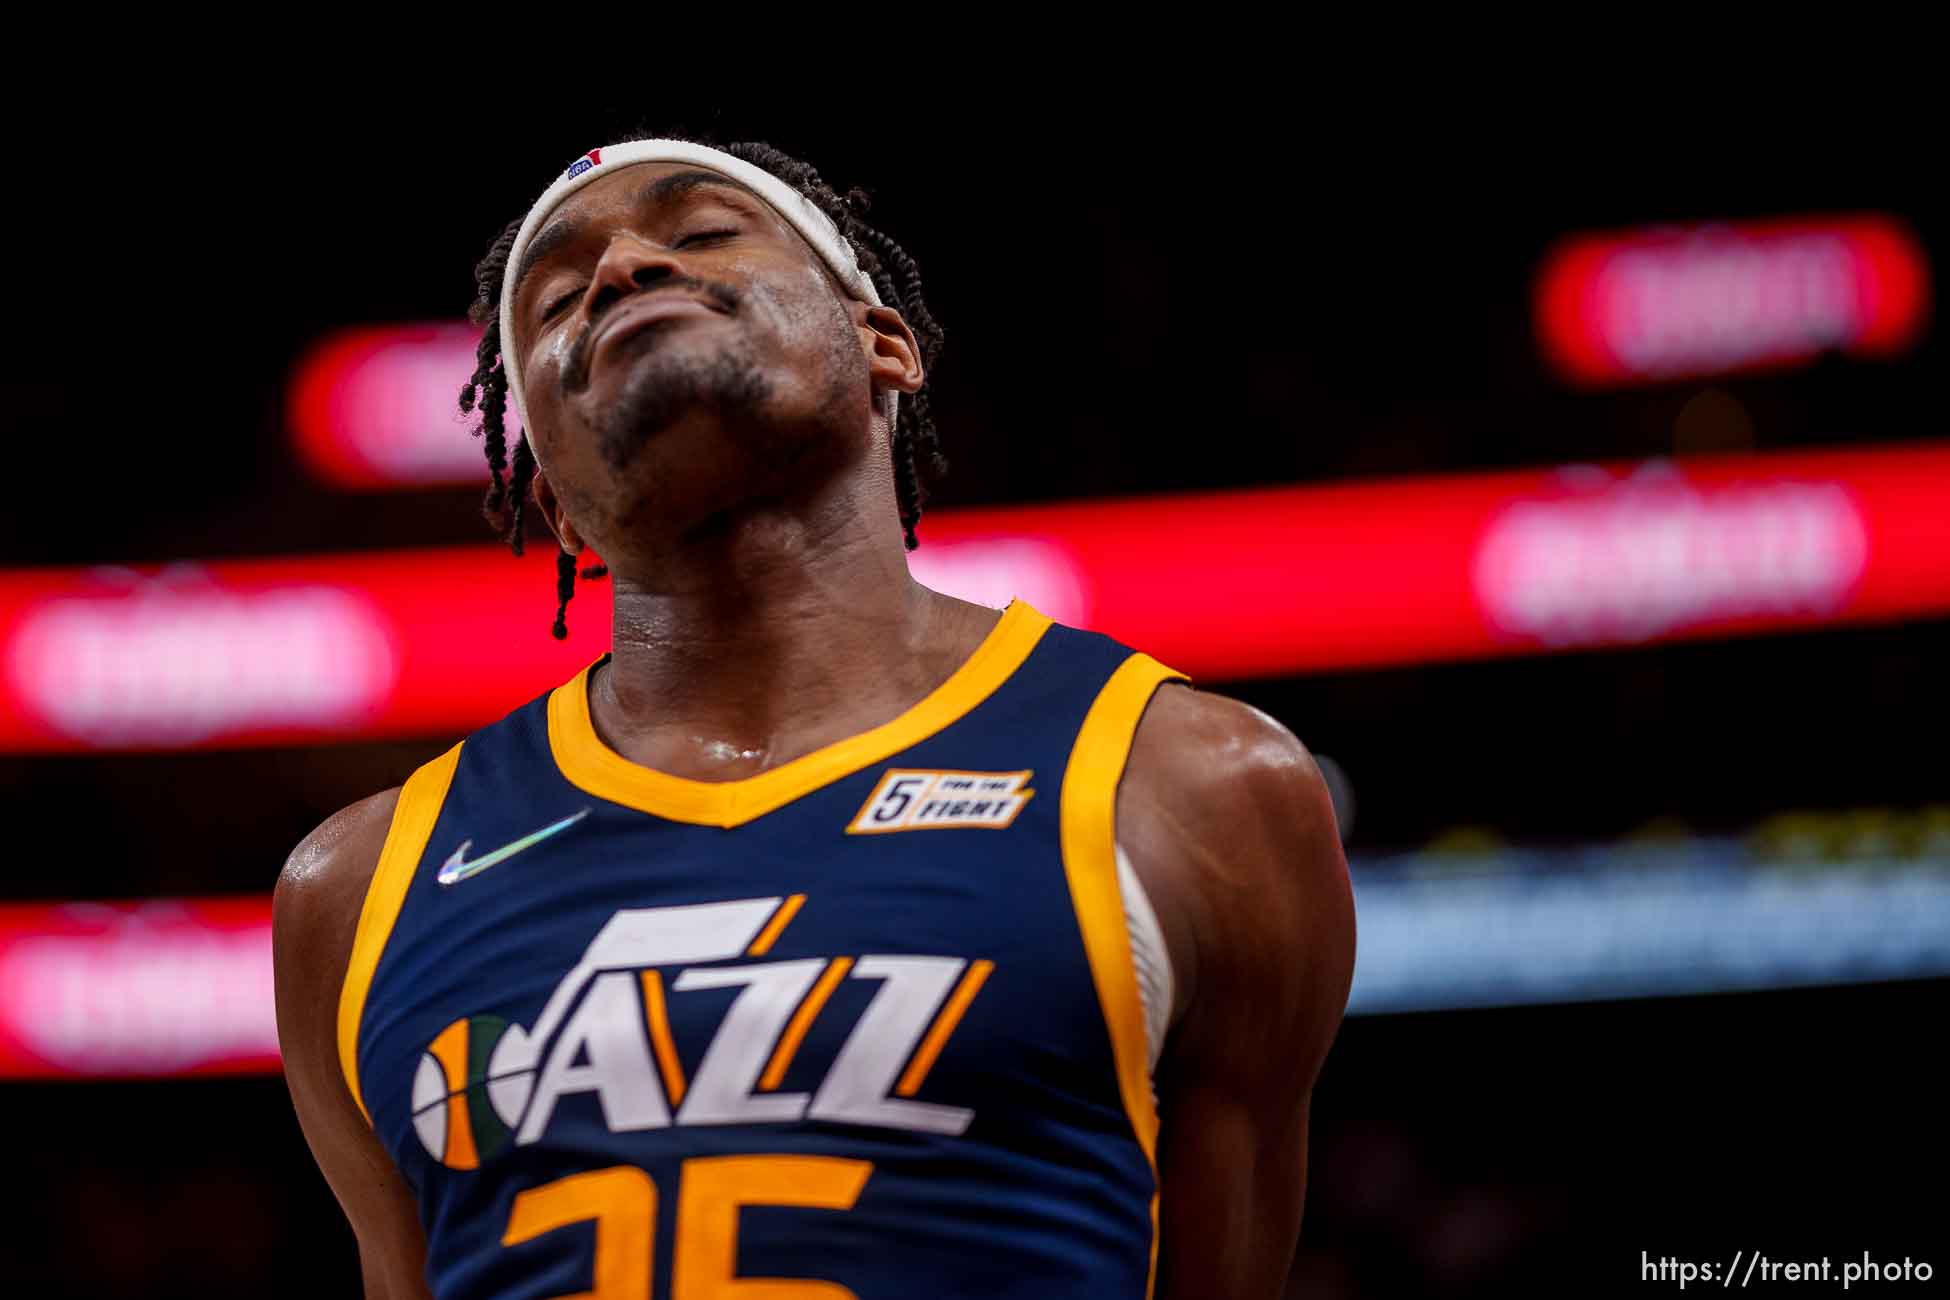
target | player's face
[{"x": 682, "y": 350}]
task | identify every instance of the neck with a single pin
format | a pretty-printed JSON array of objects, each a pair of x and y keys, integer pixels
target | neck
[{"x": 783, "y": 629}]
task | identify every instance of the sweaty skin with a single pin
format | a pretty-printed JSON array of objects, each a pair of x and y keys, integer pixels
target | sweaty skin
[{"x": 764, "y": 610}]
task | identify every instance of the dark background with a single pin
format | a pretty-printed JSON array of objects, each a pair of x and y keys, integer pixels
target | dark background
[{"x": 1146, "y": 287}]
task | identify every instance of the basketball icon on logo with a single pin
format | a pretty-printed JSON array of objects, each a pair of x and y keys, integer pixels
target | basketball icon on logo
[{"x": 451, "y": 1111}]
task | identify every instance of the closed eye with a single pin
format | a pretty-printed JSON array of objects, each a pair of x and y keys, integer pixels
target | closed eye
[{"x": 557, "y": 304}]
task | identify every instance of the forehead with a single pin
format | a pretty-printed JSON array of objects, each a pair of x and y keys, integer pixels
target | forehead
[{"x": 632, "y": 191}]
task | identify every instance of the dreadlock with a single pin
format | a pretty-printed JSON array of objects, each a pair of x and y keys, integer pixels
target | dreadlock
[{"x": 896, "y": 277}]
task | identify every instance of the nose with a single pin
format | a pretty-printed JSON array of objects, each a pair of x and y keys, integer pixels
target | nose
[{"x": 628, "y": 265}]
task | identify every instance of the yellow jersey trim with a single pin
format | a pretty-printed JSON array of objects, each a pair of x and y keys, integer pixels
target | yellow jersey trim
[
  {"x": 592, "y": 766},
  {"x": 1088, "y": 835},
  {"x": 406, "y": 842}
]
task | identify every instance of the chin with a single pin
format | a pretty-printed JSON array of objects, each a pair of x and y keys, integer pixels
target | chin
[{"x": 671, "y": 387}]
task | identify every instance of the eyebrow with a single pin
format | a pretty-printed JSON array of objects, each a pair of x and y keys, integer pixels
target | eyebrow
[{"x": 662, "y": 192}]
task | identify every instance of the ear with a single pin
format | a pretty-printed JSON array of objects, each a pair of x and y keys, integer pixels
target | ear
[
  {"x": 555, "y": 516},
  {"x": 893, "y": 357}
]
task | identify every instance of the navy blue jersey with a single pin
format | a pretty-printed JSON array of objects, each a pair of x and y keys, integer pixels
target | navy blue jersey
[{"x": 864, "y": 1025}]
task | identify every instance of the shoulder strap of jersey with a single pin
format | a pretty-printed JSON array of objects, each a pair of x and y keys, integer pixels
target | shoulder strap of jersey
[
  {"x": 406, "y": 842},
  {"x": 1089, "y": 843}
]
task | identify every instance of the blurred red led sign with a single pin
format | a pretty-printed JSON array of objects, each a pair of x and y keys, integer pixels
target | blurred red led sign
[
  {"x": 1221, "y": 585},
  {"x": 1668, "y": 303},
  {"x": 379, "y": 407},
  {"x": 137, "y": 990}
]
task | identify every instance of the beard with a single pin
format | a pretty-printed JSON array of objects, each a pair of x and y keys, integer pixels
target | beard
[{"x": 669, "y": 383}]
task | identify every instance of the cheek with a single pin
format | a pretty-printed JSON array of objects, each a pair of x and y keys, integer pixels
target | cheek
[
  {"x": 796, "y": 307},
  {"x": 821, "y": 331},
  {"x": 547, "y": 361},
  {"x": 541, "y": 381},
  {"x": 554, "y": 352}
]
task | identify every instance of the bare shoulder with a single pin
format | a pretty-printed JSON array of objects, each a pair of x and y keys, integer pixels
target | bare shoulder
[
  {"x": 323, "y": 885},
  {"x": 1227, "y": 821},
  {"x": 1215, "y": 747},
  {"x": 315, "y": 920}
]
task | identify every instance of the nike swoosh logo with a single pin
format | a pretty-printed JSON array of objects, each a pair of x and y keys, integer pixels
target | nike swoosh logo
[{"x": 456, "y": 868}]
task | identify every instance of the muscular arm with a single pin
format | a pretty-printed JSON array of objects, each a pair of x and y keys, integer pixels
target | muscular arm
[
  {"x": 314, "y": 918},
  {"x": 1228, "y": 824}
]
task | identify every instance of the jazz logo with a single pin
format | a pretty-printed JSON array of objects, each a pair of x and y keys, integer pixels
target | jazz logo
[{"x": 605, "y": 1030}]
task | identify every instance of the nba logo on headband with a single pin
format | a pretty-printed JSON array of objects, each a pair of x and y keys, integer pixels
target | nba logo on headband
[{"x": 583, "y": 164}]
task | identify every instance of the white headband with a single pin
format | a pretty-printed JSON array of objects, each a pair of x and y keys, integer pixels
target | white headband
[{"x": 805, "y": 217}]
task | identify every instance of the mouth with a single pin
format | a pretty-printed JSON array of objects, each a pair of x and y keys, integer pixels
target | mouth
[{"x": 634, "y": 317}]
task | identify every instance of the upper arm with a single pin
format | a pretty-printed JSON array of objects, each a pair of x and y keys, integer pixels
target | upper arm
[
  {"x": 314, "y": 918},
  {"x": 1228, "y": 823}
]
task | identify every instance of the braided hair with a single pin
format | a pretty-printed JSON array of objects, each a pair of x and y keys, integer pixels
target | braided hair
[{"x": 917, "y": 454}]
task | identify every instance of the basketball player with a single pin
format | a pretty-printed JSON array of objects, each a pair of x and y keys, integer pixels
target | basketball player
[{"x": 829, "y": 937}]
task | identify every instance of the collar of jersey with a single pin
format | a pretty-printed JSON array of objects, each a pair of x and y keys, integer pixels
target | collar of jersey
[{"x": 593, "y": 766}]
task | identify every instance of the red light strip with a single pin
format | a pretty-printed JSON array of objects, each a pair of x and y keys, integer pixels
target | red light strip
[
  {"x": 377, "y": 407},
  {"x": 1645, "y": 306},
  {"x": 137, "y": 989},
  {"x": 1221, "y": 585}
]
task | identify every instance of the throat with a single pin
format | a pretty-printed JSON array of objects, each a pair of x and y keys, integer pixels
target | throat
[{"x": 715, "y": 714}]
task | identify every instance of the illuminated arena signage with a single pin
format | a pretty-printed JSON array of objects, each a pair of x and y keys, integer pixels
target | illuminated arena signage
[
  {"x": 1222, "y": 585},
  {"x": 378, "y": 407},
  {"x": 1661, "y": 304},
  {"x": 171, "y": 987},
  {"x": 183, "y": 658}
]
